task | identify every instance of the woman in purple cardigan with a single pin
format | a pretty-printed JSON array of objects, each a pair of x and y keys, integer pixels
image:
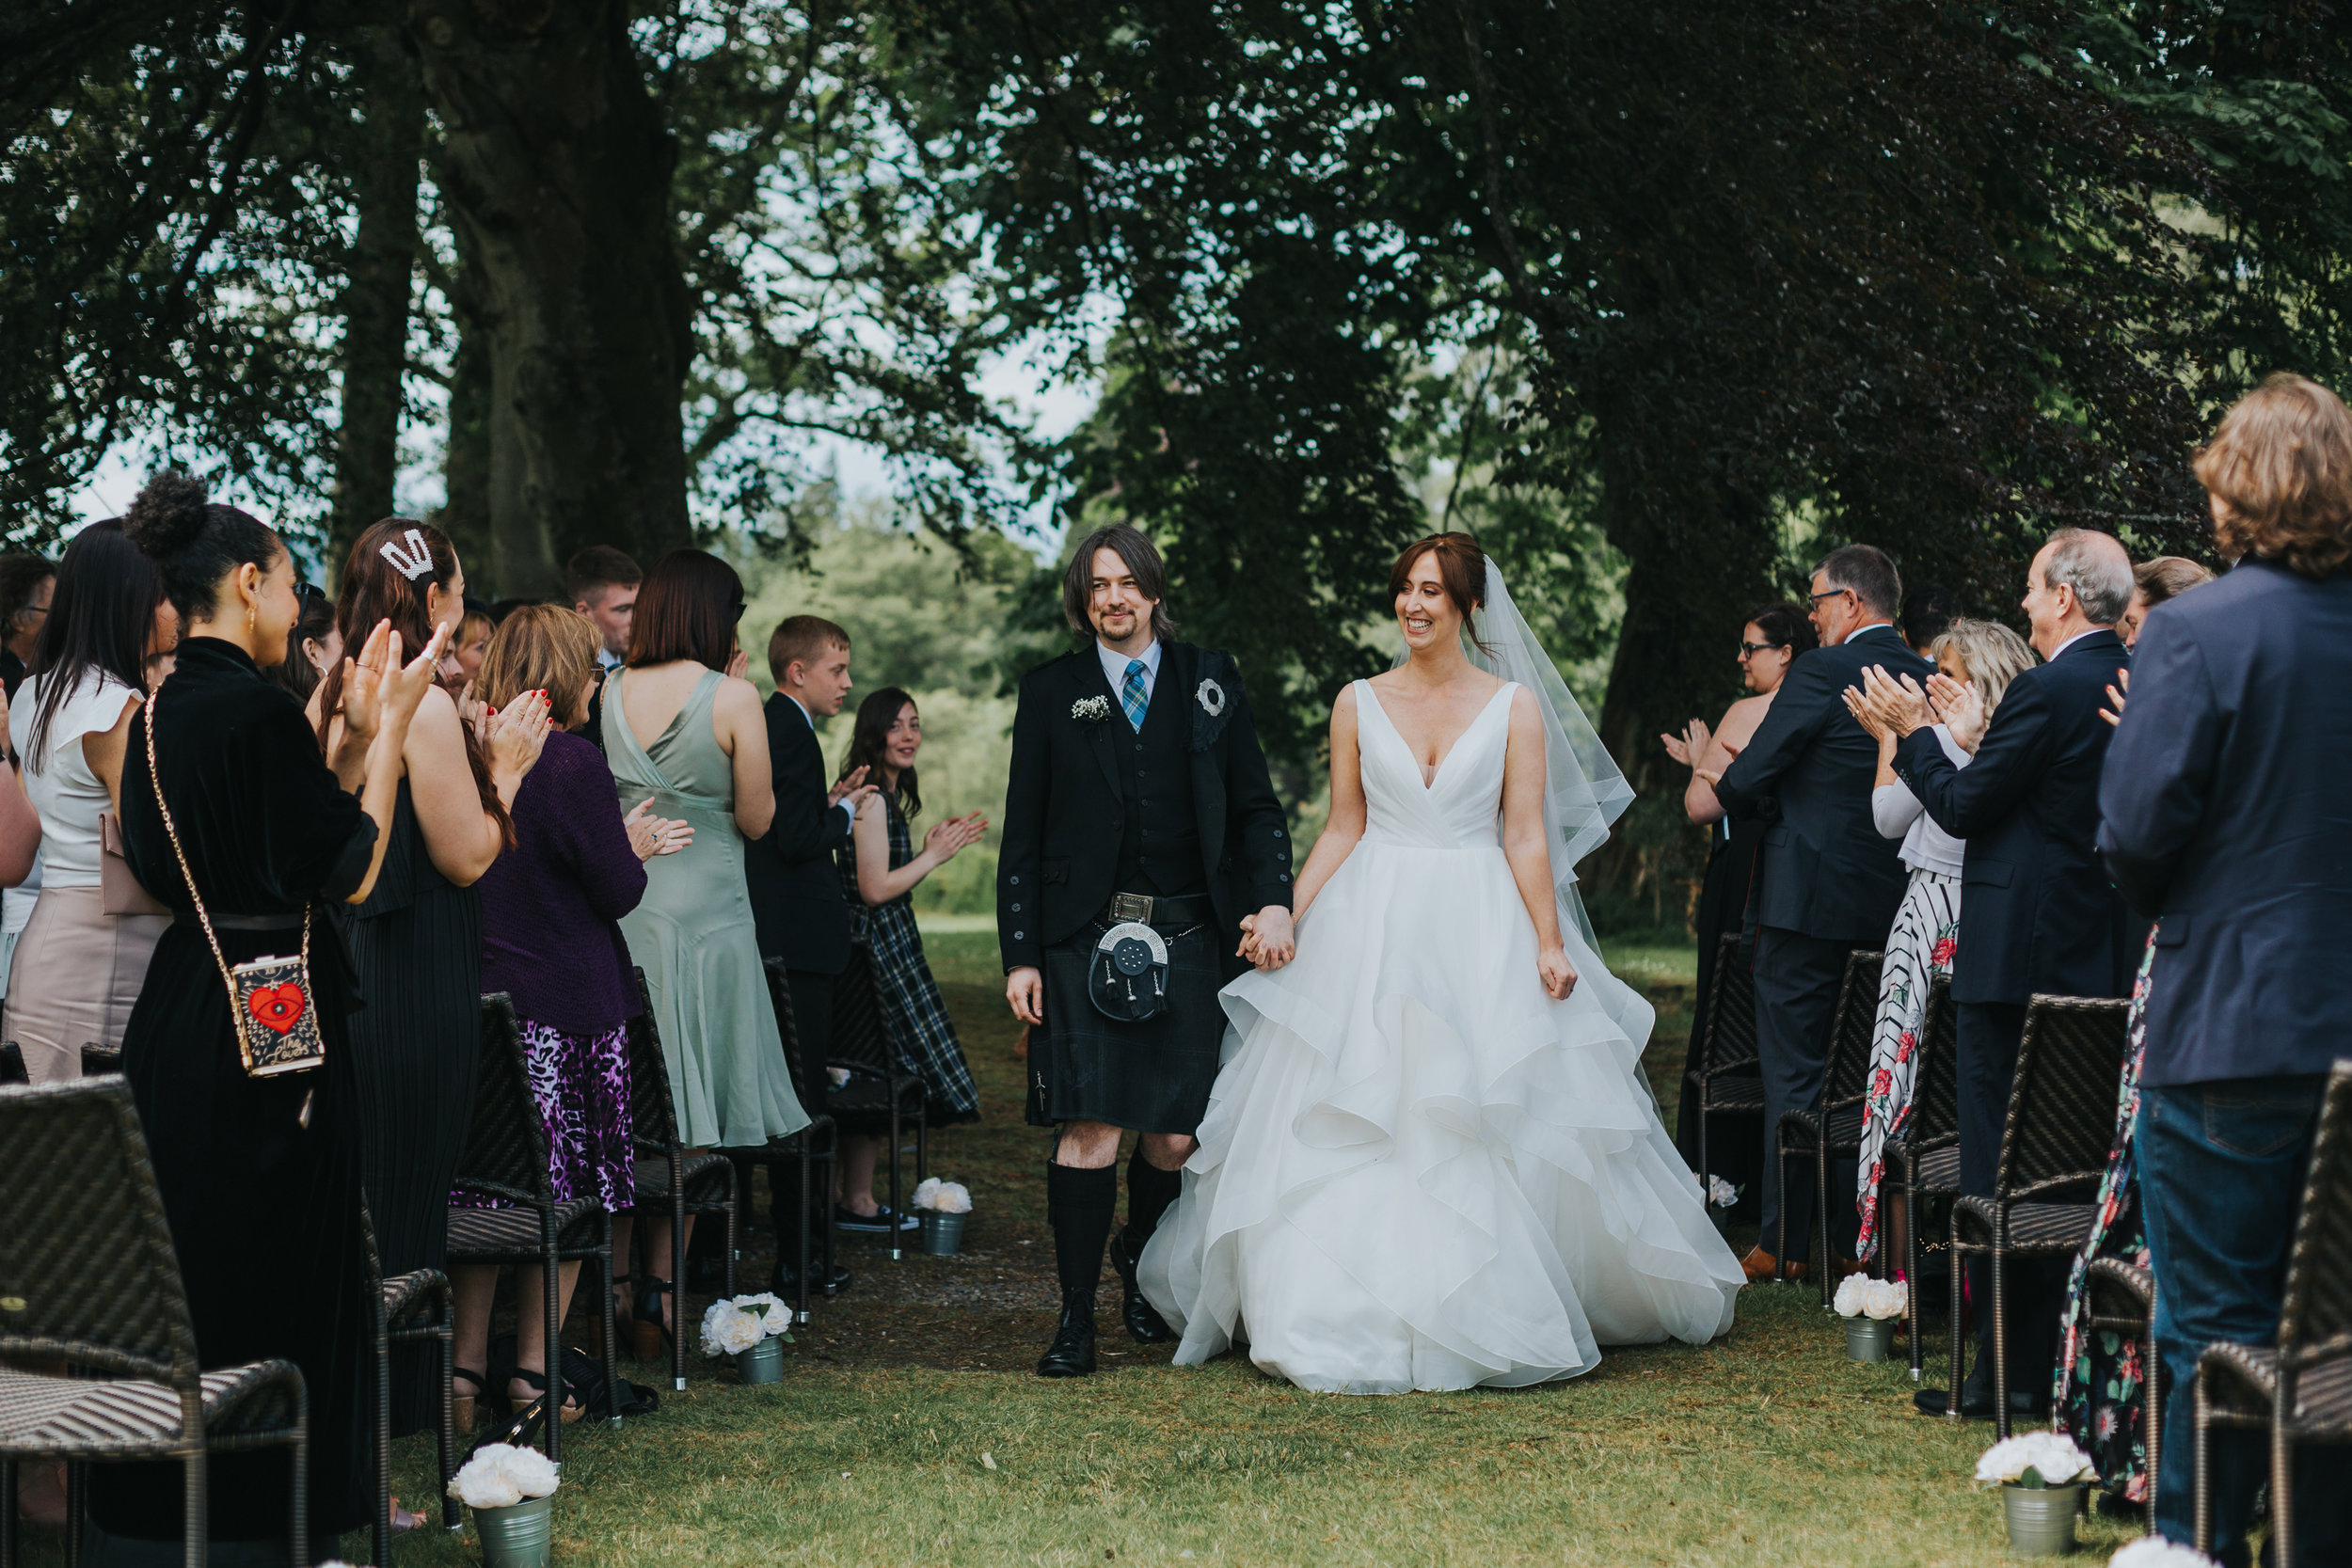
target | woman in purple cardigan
[{"x": 551, "y": 942}]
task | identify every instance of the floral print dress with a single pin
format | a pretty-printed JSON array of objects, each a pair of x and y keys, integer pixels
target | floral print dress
[
  {"x": 1921, "y": 946},
  {"x": 2101, "y": 1375}
]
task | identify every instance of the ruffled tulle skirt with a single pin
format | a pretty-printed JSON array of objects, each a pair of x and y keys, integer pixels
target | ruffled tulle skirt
[{"x": 1420, "y": 1172}]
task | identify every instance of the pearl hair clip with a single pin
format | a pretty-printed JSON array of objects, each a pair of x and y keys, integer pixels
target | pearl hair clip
[{"x": 412, "y": 563}]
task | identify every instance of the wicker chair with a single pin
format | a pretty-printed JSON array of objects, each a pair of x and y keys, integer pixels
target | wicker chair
[
  {"x": 2054, "y": 1142},
  {"x": 878, "y": 1083},
  {"x": 817, "y": 1144},
  {"x": 2301, "y": 1387},
  {"x": 1923, "y": 1160},
  {"x": 98, "y": 1060},
  {"x": 667, "y": 1174},
  {"x": 89, "y": 1279},
  {"x": 1833, "y": 1126},
  {"x": 2123, "y": 1299},
  {"x": 507, "y": 1158},
  {"x": 406, "y": 1310},
  {"x": 1726, "y": 1080}
]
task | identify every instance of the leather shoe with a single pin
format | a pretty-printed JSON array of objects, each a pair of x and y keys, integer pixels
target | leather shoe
[
  {"x": 1143, "y": 1318},
  {"x": 1975, "y": 1403},
  {"x": 1760, "y": 1264},
  {"x": 785, "y": 1280},
  {"x": 1072, "y": 1353}
]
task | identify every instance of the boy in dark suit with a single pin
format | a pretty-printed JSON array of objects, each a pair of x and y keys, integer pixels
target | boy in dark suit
[{"x": 1139, "y": 797}]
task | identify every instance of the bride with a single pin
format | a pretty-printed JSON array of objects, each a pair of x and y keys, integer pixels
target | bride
[{"x": 1430, "y": 1160}]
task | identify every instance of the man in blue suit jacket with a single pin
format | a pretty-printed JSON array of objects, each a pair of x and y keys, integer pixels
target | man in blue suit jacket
[
  {"x": 1827, "y": 881},
  {"x": 2037, "y": 912},
  {"x": 2227, "y": 817}
]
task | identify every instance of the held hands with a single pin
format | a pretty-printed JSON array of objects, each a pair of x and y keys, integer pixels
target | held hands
[
  {"x": 1691, "y": 745},
  {"x": 655, "y": 835},
  {"x": 1559, "y": 976},
  {"x": 2113, "y": 712},
  {"x": 948, "y": 838},
  {"x": 1268, "y": 939},
  {"x": 1962, "y": 710},
  {"x": 1024, "y": 988}
]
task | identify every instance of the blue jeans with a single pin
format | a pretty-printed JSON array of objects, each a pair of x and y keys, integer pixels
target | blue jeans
[{"x": 2221, "y": 1172}]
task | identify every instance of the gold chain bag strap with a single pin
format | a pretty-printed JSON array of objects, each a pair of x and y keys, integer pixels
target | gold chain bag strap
[{"x": 270, "y": 1000}]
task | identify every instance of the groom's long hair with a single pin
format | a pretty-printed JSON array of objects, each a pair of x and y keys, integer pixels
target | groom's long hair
[{"x": 1077, "y": 583}]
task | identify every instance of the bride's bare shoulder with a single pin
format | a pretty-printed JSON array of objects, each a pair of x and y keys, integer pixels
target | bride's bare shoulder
[{"x": 1344, "y": 707}]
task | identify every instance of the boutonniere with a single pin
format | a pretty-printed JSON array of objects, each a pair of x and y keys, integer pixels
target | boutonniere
[
  {"x": 1091, "y": 710},
  {"x": 1211, "y": 697}
]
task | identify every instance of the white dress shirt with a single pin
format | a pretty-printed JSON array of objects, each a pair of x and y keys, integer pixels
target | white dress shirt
[{"x": 1114, "y": 668}]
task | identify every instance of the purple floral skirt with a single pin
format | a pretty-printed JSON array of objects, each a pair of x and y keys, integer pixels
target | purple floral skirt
[{"x": 579, "y": 1083}]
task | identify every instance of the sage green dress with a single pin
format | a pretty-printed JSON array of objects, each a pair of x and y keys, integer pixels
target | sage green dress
[{"x": 692, "y": 935}]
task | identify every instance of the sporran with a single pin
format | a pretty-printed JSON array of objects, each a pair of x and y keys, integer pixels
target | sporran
[{"x": 1127, "y": 972}]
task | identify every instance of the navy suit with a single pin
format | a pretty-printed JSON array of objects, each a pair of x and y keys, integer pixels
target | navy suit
[
  {"x": 2036, "y": 914},
  {"x": 2226, "y": 816},
  {"x": 1827, "y": 881}
]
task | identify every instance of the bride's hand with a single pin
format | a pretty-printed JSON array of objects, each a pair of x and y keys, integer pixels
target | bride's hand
[{"x": 1558, "y": 973}]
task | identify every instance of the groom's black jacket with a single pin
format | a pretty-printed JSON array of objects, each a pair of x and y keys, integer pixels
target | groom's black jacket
[{"x": 1066, "y": 807}]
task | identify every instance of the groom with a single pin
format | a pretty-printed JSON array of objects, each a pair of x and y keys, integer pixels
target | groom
[{"x": 1138, "y": 795}]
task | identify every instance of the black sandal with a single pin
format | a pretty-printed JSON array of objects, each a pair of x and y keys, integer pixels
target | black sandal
[
  {"x": 462, "y": 1406},
  {"x": 573, "y": 1409},
  {"x": 649, "y": 1330}
]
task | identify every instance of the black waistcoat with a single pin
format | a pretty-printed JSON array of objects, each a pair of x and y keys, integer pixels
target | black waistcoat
[{"x": 1159, "y": 853}]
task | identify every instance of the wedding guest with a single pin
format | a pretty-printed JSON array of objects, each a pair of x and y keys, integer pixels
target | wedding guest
[
  {"x": 313, "y": 645},
  {"x": 77, "y": 969},
  {"x": 551, "y": 941},
  {"x": 471, "y": 642},
  {"x": 27, "y": 582},
  {"x": 1830, "y": 881},
  {"x": 1927, "y": 610},
  {"x": 1769, "y": 644},
  {"x": 2153, "y": 582},
  {"x": 2223, "y": 815},
  {"x": 2039, "y": 914},
  {"x": 797, "y": 903},
  {"x": 258, "y": 1175},
  {"x": 602, "y": 584},
  {"x": 881, "y": 871},
  {"x": 20, "y": 850},
  {"x": 1984, "y": 657},
  {"x": 683, "y": 729},
  {"x": 416, "y": 942}
]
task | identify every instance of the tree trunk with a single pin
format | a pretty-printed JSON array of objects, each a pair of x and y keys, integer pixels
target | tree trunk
[
  {"x": 559, "y": 182},
  {"x": 375, "y": 299},
  {"x": 465, "y": 515}
]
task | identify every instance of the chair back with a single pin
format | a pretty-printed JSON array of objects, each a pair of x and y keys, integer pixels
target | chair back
[
  {"x": 789, "y": 1030},
  {"x": 87, "y": 1270},
  {"x": 12, "y": 1068},
  {"x": 2316, "y": 1323},
  {"x": 507, "y": 1145},
  {"x": 1848, "y": 1072},
  {"x": 2061, "y": 1105},
  {"x": 1730, "y": 1013},
  {"x": 97, "y": 1058},
  {"x": 860, "y": 1037},
  {"x": 653, "y": 1114},
  {"x": 1935, "y": 1082}
]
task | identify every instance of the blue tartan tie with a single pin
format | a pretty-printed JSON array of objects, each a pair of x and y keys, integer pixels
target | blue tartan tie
[{"x": 1132, "y": 696}]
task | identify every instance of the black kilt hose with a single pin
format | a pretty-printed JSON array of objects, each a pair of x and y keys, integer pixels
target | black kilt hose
[
  {"x": 1180, "y": 808},
  {"x": 1152, "y": 1077}
]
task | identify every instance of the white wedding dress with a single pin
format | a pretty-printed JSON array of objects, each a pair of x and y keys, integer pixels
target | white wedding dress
[{"x": 1417, "y": 1170}]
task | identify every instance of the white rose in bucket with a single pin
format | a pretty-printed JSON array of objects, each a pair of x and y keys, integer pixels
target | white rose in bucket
[
  {"x": 772, "y": 1315},
  {"x": 1850, "y": 1292},
  {"x": 728, "y": 1330},
  {"x": 1885, "y": 1298},
  {"x": 2050, "y": 1458},
  {"x": 501, "y": 1475},
  {"x": 2154, "y": 1551},
  {"x": 944, "y": 1197}
]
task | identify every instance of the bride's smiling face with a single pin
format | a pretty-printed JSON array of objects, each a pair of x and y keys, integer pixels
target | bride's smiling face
[{"x": 1425, "y": 612}]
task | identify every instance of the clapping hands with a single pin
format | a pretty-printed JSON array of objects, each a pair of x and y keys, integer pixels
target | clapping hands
[
  {"x": 1961, "y": 708},
  {"x": 380, "y": 693},
  {"x": 513, "y": 737},
  {"x": 1691, "y": 745},
  {"x": 650, "y": 836},
  {"x": 1900, "y": 705},
  {"x": 2116, "y": 695},
  {"x": 947, "y": 839}
]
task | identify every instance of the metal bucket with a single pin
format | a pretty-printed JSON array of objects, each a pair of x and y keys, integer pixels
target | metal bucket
[
  {"x": 2041, "y": 1523},
  {"x": 520, "y": 1536},
  {"x": 1869, "y": 1339},
  {"x": 762, "y": 1363},
  {"x": 943, "y": 1234}
]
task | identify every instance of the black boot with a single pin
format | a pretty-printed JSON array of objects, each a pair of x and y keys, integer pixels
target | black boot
[
  {"x": 1150, "y": 1191},
  {"x": 1079, "y": 1205}
]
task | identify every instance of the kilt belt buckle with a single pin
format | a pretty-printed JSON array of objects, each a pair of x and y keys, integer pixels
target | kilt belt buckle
[{"x": 1133, "y": 907}]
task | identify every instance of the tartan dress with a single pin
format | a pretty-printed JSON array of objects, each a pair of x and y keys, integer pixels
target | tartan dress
[{"x": 887, "y": 957}]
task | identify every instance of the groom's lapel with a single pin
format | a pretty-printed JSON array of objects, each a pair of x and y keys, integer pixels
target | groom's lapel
[{"x": 1093, "y": 682}]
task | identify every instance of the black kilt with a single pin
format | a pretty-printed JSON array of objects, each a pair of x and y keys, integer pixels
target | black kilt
[{"x": 1148, "y": 1077}]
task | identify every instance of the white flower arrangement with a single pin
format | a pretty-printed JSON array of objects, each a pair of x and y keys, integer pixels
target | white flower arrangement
[
  {"x": 1860, "y": 1296},
  {"x": 501, "y": 1475},
  {"x": 1721, "y": 1194},
  {"x": 2033, "y": 1460},
  {"x": 942, "y": 1197},
  {"x": 2154, "y": 1551},
  {"x": 1090, "y": 710},
  {"x": 736, "y": 1325},
  {"x": 1212, "y": 698}
]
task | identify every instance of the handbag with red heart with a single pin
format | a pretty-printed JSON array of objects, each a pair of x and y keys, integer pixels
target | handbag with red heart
[{"x": 269, "y": 999}]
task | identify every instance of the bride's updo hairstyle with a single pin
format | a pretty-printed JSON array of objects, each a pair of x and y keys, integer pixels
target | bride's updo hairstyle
[
  {"x": 1461, "y": 566},
  {"x": 193, "y": 543}
]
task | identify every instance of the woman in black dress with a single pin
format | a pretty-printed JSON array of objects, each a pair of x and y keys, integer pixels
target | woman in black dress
[
  {"x": 259, "y": 1177},
  {"x": 1769, "y": 644},
  {"x": 417, "y": 940}
]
